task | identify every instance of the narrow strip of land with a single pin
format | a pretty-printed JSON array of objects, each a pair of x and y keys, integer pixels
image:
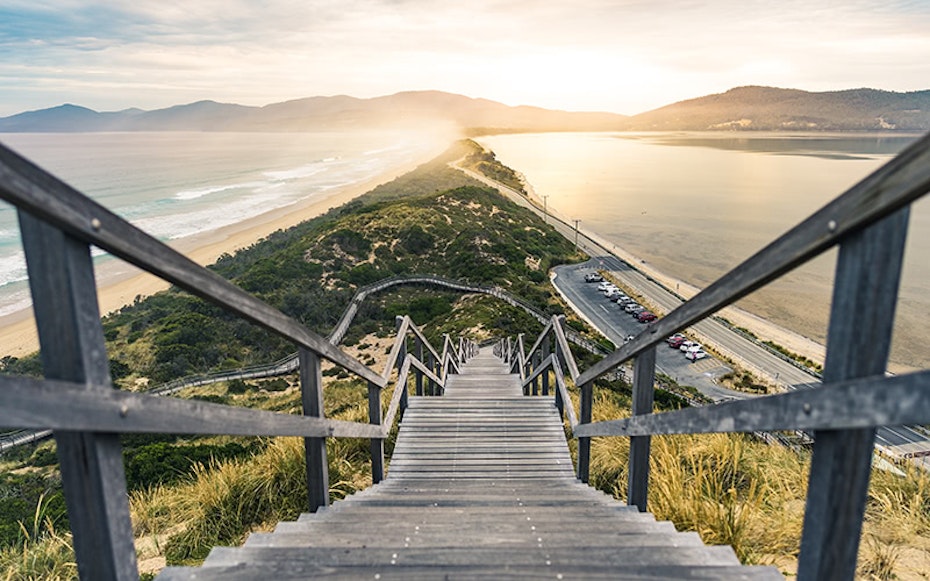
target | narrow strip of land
[{"x": 895, "y": 441}]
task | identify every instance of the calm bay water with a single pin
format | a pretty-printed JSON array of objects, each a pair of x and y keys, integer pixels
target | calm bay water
[
  {"x": 696, "y": 205},
  {"x": 174, "y": 184}
]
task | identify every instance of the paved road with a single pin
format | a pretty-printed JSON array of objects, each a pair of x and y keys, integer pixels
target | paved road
[
  {"x": 615, "y": 324},
  {"x": 895, "y": 440}
]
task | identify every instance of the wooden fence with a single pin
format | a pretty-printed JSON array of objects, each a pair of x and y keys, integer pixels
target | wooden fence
[
  {"x": 77, "y": 400},
  {"x": 869, "y": 224}
]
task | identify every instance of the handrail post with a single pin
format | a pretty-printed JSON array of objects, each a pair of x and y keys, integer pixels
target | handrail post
[
  {"x": 64, "y": 295},
  {"x": 398, "y": 323},
  {"x": 311, "y": 394},
  {"x": 644, "y": 370},
  {"x": 431, "y": 364},
  {"x": 543, "y": 356},
  {"x": 859, "y": 338},
  {"x": 537, "y": 361},
  {"x": 418, "y": 375},
  {"x": 377, "y": 444},
  {"x": 584, "y": 444},
  {"x": 404, "y": 402}
]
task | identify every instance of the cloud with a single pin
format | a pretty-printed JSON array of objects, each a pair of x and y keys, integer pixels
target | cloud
[{"x": 620, "y": 55}]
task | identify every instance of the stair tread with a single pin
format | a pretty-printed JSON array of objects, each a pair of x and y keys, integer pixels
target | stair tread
[{"x": 481, "y": 485}]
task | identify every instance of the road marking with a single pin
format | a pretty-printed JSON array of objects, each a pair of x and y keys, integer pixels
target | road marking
[{"x": 605, "y": 308}]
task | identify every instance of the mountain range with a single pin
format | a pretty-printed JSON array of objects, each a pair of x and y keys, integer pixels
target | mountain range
[{"x": 750, "y": 108}]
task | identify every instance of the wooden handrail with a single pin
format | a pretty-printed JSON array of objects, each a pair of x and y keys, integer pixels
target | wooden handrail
[
  {"x": 77, "y": 401},
  {"x": 60, "y": 405},
  {"x": 51, "y": 200},
  {"x": 859, "y": 403}
]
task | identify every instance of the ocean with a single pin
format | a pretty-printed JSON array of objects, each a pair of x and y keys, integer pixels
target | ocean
[
  {"x": 695, "y": 205},
  {"x": 175, "y": 184}
]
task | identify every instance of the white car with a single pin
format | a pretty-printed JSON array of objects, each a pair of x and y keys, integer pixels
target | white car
[
  {"x": 687, "y": 345},
  {"x": 695, "y": 355},
  {"x": 604, "y": 286}
]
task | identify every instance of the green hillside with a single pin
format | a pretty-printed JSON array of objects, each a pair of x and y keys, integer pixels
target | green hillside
[{"x": 310, "y": 272}]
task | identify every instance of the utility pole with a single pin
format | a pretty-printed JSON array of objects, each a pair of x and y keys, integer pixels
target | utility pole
[
  {"x": 576, "y": 221},
  {"x": 545, "y": 198}
]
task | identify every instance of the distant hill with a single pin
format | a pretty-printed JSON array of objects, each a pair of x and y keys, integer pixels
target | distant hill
[
  {"x": 409, "y": 109},
  {"x": 742, "y": 108},
  {"x": 773, "y": 109}
]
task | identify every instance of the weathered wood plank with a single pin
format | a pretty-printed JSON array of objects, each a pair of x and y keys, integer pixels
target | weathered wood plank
[
  {"x": 647, "y": 538},
  {"x": 377, "y": 443},
  {"x": 497, "y": 572},
  {"x": 400, "y": 389},
  {"x": 32, "y": 403},
  {"x": 311, "y": 392},
  {"x": 858, "y": 403},
  {"x": 562, "y": 344},
  {"x": 644, "y": 376},
  {"x": 865, "y": 293},
  {"x": 584, "y": 440},
  {"x": 61, "y": 279},
  {"x": 286, "y": 558},
  {"x": 398, "y": 349}
]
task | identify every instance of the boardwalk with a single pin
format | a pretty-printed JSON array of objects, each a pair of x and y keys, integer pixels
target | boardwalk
[{"x": 480, "y": 486}]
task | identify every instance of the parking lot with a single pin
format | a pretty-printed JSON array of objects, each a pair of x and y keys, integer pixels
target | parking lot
[{"x": 613, "y": 320}]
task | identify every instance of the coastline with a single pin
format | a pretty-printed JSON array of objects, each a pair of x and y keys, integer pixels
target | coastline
[
  {"x": 119, "y": 283},
  {"x": 761, "y": 327}
]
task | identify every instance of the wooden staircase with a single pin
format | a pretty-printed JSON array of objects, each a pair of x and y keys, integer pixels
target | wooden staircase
[{"x": 480, "y": 485}]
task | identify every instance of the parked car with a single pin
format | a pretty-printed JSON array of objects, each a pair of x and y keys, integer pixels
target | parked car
[
  {"x": 695, "y": 355},
  {"x": 612, "y": 293},
  {"x": 646, "y": 316},
  {"x": 675, "y": 342},
  {"x": 604, "y": 285},
  {"x": 676, "y": 336},
  {"x": 685, "y": 345},
  {"x": 593, "y": 277},
  {"x": 631, "y": 307},
  {"x": 694, "y": 347}
]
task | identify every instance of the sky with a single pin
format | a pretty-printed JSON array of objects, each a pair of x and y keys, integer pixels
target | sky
[{"x": 622, "y": 56}]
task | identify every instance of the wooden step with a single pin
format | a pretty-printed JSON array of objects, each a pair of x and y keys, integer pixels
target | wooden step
[{"x": 480, "y": 485}]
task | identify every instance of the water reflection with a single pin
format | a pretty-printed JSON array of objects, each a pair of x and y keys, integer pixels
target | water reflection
[
  {"x": 696, "y": 205},
  {"x": 824, "y": 146}
]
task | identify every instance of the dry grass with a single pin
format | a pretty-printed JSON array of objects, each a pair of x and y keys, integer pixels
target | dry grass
[
  {"x": 729, "y": 488},
  {"x": 735, "y": 490},
  {"x": 43, "y": 552}
]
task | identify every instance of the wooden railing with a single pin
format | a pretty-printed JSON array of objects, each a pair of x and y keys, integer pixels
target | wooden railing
[
  {"x": 77, "y": 400},
  {"x": 551, "y": 353},
  {"x": 869, "y": 224}
]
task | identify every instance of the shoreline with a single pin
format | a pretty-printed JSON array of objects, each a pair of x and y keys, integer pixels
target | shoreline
[
  {"x": 761, "y": 327},
  {"x": 119, "y": 283}
]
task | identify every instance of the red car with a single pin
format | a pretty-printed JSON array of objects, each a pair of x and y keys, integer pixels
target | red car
[
  {"x": 675, "y": 342},
  {"x": 646, "y": 317}
]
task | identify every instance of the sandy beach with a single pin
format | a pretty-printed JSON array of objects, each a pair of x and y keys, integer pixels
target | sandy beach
[{"x": 118, "y": 283}]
